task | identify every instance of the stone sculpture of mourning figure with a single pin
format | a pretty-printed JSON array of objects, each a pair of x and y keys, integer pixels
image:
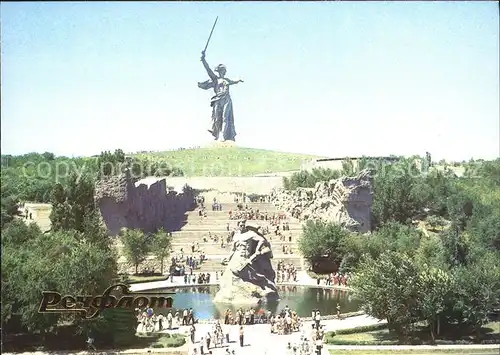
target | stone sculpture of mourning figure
[{"x": 249, "y": 276}]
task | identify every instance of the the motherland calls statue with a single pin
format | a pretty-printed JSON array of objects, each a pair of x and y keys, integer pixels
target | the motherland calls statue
[
  {"x": 222, "y": 106},
  {"x": 249, "y": 277}
]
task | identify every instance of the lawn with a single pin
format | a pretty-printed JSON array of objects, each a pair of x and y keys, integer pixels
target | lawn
[
  {"x": 139, "y": 279},
  {"x": 229, "y": 161},
  {"x": 165, "y": 340},
  {"x": 373, "y": 336},
  {"x": 415, "y": 352},
  {"x": 490, "y": 333}
]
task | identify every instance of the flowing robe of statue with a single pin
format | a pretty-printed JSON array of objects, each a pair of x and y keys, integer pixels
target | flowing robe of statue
[{"x": 222, "y": 106}]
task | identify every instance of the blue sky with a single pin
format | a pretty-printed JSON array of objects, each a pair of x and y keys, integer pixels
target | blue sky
[{"x": 328, "y": 78}]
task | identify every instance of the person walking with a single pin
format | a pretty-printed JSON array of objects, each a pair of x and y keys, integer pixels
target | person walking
[
  {"x": 192, "y": 330},
  {"x": 169, "y": 320},
  {"x": 90, "y": 342},
  {"x": 160, "y": 322},
  {"x": 209, "y": 338},
  {"x": 242, "y": 333},
  {"x": 185, "y": 317}
]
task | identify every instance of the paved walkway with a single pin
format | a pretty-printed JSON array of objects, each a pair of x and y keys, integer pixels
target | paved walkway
[{"x": 259, "y": 340}]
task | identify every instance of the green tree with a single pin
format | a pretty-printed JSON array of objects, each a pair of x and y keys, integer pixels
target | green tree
[
  {"x": 162, "y": 242},
  {"x": 476, "y": 291},
  {"x": 388, "y": 288},
  {"x": 72, "y": 205},
  {"x": 431, "y": 252},
  {"x": 135, "y": 246},
  {"x": 398, "y": 193},
  {"x": 435, "y": 289},
  {"x": 393, "y": 236},
  {"x": 347, "y": 167},
  {"x": 428, "y": 160},
  {"x": 322, "y": 242},
  {"x": 456, "y": 246},
  {"x": 62, "y": 261},
  {"x": 352, "y": 250}
]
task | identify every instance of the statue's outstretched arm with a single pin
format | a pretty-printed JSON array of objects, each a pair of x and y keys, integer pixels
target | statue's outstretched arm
[
  {"x": 232, "y": 82},
  {"x": 210, "y": 73}
]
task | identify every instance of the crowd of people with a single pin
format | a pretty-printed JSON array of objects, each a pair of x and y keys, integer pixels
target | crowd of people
[
  {"x": 338, "y": 279},
  {"x": 182, "y": 264},
  {"x": 242, "y": 317},
  {"x": 254, "y": 214},
  {"x": 244, "y": 198},
  {"x": 217, "y": 337},
  {"x": 282, "y": 323},
  {"x": 286, "y": 272},
  {"x": 286, "y": 322},
  {"x": 149, "y": 321}
]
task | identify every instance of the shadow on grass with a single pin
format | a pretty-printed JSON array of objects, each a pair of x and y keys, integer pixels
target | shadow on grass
[{"x": 62, "y": 342}]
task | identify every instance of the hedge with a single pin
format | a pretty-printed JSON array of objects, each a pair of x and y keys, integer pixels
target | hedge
[
  {"x": 330, "y": 338},
  {"x": 362, "y": 329},
  {"x": 414, "y": 341},
  {"x": 170, "y": 341},
  {"x": 333, "y": 341}
]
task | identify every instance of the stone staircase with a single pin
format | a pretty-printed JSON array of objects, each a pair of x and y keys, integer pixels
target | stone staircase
[{"x": 215, "y": 224}]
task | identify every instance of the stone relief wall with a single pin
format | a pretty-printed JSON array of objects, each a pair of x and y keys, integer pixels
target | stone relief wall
[
  {"x": 347, "y": 201},
  {"x": 124, "y": 203}
]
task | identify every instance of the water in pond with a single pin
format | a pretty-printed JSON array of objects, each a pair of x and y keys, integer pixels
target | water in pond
[{"x": 302, "y": 299}]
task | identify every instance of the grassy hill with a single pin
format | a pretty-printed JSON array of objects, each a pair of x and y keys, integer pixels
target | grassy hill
[{"x": 229, "y": 161}]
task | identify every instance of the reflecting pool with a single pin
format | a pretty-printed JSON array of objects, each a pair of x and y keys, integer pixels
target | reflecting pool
[{"x": 302, "y": 299}]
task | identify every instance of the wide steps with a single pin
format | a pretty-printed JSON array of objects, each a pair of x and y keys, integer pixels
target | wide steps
[
  {"x": 215, "y": 222},
  {"x": 234, "y": 206},
  {"x": 189, "y": 239},
  {"x": 222, "y": 228},
  {"x": 224, "y": 214},
  {"x": 197, "y": 220},
  {"x": 215, "y": 248},
  {"x": 219, "y": 231},
  {"x": 213, "y": 265}
]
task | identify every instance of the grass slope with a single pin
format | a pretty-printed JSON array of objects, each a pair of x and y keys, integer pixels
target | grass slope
[{"x": 229, "y": 161}]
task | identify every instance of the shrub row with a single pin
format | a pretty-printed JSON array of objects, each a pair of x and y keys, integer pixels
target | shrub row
[
  {"x": 363, "y": 329},
  {"x": 171, "y": 341},
  {"x": 332, "y": 341}
]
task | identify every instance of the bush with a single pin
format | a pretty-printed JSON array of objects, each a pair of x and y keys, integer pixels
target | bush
[
  {"x": 157, "y": 345},
  {"x": 333, "y": 341},
  {"x": 352, "y": 314},
  {"x": 171, "y": 340},
  {"x": 330, "y": 336},
  {"x": 363, "y": 329},
  {"x": 436, "y": 222}
]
